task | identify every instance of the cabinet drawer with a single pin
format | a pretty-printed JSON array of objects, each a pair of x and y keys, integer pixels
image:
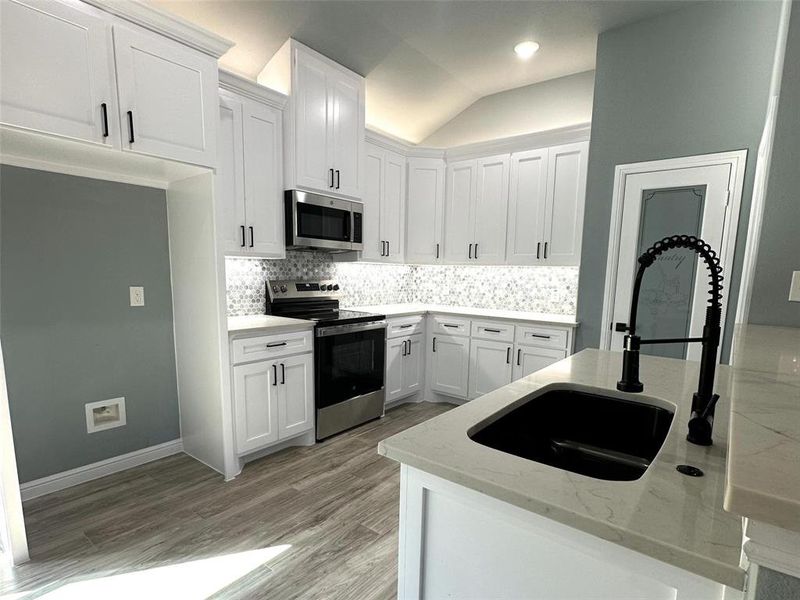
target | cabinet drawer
[
  {"x": 404, "y": 326},
  {"x": 546, "y": 337},
  {"x": 444, "y": 325},
  {"x": 489, "y": 330},
  {"x": 271, "y": 346}
]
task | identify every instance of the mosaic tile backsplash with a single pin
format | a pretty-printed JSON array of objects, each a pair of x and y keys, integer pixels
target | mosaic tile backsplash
[{"x": 536, "y": 289}]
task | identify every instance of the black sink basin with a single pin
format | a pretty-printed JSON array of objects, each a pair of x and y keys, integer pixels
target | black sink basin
[{"x": 583, "y": 432}]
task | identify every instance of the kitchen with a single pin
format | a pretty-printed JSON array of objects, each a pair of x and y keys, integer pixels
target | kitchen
[{"x": 470, "y": 266}]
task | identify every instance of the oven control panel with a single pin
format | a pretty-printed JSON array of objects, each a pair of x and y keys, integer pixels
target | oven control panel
[{"x": 286, "y": 289}]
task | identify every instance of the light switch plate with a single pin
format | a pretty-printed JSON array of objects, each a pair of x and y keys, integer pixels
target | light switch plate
[
  {"x": 137, "y": 295},
  {"x": 794, "y": 290}
]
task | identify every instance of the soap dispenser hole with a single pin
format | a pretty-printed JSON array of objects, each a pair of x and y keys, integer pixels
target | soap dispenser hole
[{"x": 690, "y": 470}]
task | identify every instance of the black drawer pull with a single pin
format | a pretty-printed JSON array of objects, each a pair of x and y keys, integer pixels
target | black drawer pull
[
  {"x": 476, "y": 251},
  {"x": 538, "y": 247},
  {"x": 519, "y": 355},
  {"x": 244, "y": 240},
  {"x": 406, "y": 326},
  {"x": 274, "y": 374},
  {"x": 540, "y": 336},
  {"x": 283, "y": 373},
  {"x": 131, "y": 137},
  {"x": 508, "y": 355},
  {"x": 449, "y": 325},
  {"x": 275, "y": 344},
  {"x": 434, "y": 344},
  {"x": 437, "y": 250},
  {"x": 545, "y": 250},
  {"x": 337, "y": 178},
  {"x": 491, "y": 330},
  {"x": 470, "y": 251},
  {"x": 104, "y": 112},
  {"x": 330, "y": 185},
  {"x": 409, "y": 347},
  {"x": 252, "y": 237}
]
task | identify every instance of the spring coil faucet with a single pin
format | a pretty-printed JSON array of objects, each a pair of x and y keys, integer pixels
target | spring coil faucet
[{"x": 704, "y": 400}]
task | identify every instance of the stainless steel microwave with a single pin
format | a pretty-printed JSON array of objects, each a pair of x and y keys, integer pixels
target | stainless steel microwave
[{"x": 322, "y": 222}]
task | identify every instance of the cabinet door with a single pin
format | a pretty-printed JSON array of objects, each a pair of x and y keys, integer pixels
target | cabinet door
[
  {"x": 167, "y": 98},
  {"x": 296, "y": 396},
  {"x": 566, "y": 194},
  {"x": 414, "y": 365},
  {"x": 392, "y": 205},
  {"x": 491, "y": 206},
  {"x": 489, "y": 366},
  {"x": 347, "y": 132},
  {"x": 529, "y": 359},
  {"x": 449, "y": 361},
  {"x": 395, "y": 362},
  {"x": 57, "y": 71},
  {"x": 263, "y": 180},
  {"x": 458, "y": 229},
  {"x": 424, "y": 210},
  {"x": 374, "y": 244},
  {"x": 313, "y": 169},
  {"x": 229, "y": 176},
  {"x": 526, "y": 207},
  {"x": 255, "y": 404}
]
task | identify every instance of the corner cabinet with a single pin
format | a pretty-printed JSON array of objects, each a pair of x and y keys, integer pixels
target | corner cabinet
[
  {"x": 384, "y": 204},
  {"x": 249, "y": 178},
  {"x": 425, "y": 210},
  {"x": 324, "y": 142}
]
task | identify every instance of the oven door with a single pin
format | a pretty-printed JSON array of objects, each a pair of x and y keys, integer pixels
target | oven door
[
  {"x": 349, "y": 361},
  {"x": 319, "y": 221}
]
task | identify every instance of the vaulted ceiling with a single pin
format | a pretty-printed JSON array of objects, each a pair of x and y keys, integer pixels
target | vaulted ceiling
[{"x": 424, "y": 61}]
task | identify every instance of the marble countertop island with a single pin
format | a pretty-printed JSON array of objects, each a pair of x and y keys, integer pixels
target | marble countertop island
[
  {"x": 677, "y": 519},
  {"x": 266, "y": 324}
]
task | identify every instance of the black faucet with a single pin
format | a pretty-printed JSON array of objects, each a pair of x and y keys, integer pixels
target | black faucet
[{"x": 704, "y": 400}]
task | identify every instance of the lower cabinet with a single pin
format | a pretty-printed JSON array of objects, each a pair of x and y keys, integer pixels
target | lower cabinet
[
  {"x": 404, "y": 366},
  {"x": 273, "y": 400},
  {"x": 449, "y": 362},
  {"x": 529, "y": 359},
  {"x": 489, "y": 366}
]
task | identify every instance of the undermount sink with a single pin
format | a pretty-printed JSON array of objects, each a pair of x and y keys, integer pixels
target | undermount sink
[{"x": 586, "y": 432}]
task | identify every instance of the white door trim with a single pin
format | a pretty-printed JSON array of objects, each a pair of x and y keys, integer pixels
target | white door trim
[{"x": 736, "y": 160}]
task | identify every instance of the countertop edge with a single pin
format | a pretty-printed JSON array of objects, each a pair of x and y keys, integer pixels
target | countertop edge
[{"x": 467, "y": 312}]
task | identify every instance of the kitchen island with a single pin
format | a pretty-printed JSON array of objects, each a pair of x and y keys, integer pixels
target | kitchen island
[{"x": 478, "y": 522}]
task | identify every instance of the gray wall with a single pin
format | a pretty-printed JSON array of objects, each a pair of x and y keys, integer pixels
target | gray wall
[
  {"x": 538, "y": 107},
  {"x": 69, "y": 249},
  {"x": 779, "y": 249},
  {"x": 772, "y": 585},
  {"x": 689, "y": 82}
]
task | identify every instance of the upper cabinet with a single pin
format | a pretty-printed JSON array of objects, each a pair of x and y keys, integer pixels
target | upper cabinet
[
  {"x": 424, "y": 210},
  {"x": 167, "y": 98},
  {"x": 74, "y": 71},
  {"x": 249, "y": 179},
  {"x": 324, "y": 142},
  {"x": 384, "y": 202},
  {"x": 545, "y": 208},
  {"x": 57, "y": 72},
  {"x": 476, "y": 209}
]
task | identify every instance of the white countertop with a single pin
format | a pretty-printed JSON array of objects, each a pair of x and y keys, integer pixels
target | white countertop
[
  {"x": 674, "y": 518},
  {"x": 266, "y": 323},
  {"x": 763, "y": 480},
  {"x": 399, "y": 310}
]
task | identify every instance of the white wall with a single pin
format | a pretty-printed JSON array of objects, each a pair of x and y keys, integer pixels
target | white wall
[{"x": 539, "y": 107}]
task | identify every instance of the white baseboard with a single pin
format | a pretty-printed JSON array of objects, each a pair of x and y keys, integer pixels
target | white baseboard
[{"x": 66, "y": 479}]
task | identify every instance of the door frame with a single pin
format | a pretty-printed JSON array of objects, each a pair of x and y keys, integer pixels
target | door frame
[{"x": 736, "y": 160}]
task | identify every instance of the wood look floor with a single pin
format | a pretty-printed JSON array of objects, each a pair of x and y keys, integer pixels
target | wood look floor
[{"x": 335, "y": 504}]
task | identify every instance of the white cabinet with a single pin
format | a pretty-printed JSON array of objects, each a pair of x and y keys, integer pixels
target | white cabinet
[
  {"x": 324, "y": 143},
  {"x": 529, "y": 359},
  {"x": 476, "y": 210},
  {"x": 167, "y": 97},
  {"x": 424, "y": 210},
  {"x": 489, "y": 366},
  {"x": 566, "y": 195},
  {"x": 255, "y": 400},
  {"x": 57, "y": 72},
  {"x": 248, "y": 181},
  {"x": 526, "y": 207},
  {"x": 295, "y": 396},
  {"x": 449, "y": 364},
  {"x": 384, "y": 194},
  {"x": 405, "y": 358}
]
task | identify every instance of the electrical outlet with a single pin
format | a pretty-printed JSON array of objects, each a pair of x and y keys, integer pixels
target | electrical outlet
[
  {"x": 137, "y": 295},
  {"x": 794, "y": 290}
]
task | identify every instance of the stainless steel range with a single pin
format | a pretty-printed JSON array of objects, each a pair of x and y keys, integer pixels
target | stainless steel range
[{"x": 349, "y": 353}]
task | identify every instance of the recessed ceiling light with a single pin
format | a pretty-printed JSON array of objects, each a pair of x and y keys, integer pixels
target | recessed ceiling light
[{"x": 526, "y": 49}]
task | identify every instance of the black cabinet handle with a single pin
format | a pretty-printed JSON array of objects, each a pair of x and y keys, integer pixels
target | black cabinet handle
[
  {"x": 519, "y": 355},
  {"x": 409, "y": 347},
  {"x": 404, "y": 348},
  {"x": 508, "y": 355},
  {"x": 545, "y": 250},
  {"x": 275, "y": 344},
  {"x": 538, "y": 247},
  {"x": 449, "y": 325},
  {"x": 437, "y": 250},
  {"x": 283, "y": 373},
  {"x": 244, "y": 241},
  {"x": 491, "y": 330},
  {"x": 388, "y": 248},
  {"x": 406, "y": 326},
  {"x": 131, "y": 137},
  {"x": 620, "y": 327},
  {"x": 383, "y": 248},
  {"x": 338, "y": 178},
  {"x": 434, "y": 344},
  {"x": 252, "y": 237},
  {"x": 104, "y": 112},
  {"x": 330, "y": 185},
  {"x": 470, "y": 251},
  {"x": 540, "y": 336},
  {"x": 274, "y": 374},
  {"x": 476, "y": 251}
]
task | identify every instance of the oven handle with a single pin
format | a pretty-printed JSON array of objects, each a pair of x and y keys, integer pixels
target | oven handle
[{"x": 349, "y": 328}]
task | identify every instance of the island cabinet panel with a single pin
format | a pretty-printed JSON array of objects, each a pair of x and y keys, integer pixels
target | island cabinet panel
[{"x": 503, "y": 551}]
